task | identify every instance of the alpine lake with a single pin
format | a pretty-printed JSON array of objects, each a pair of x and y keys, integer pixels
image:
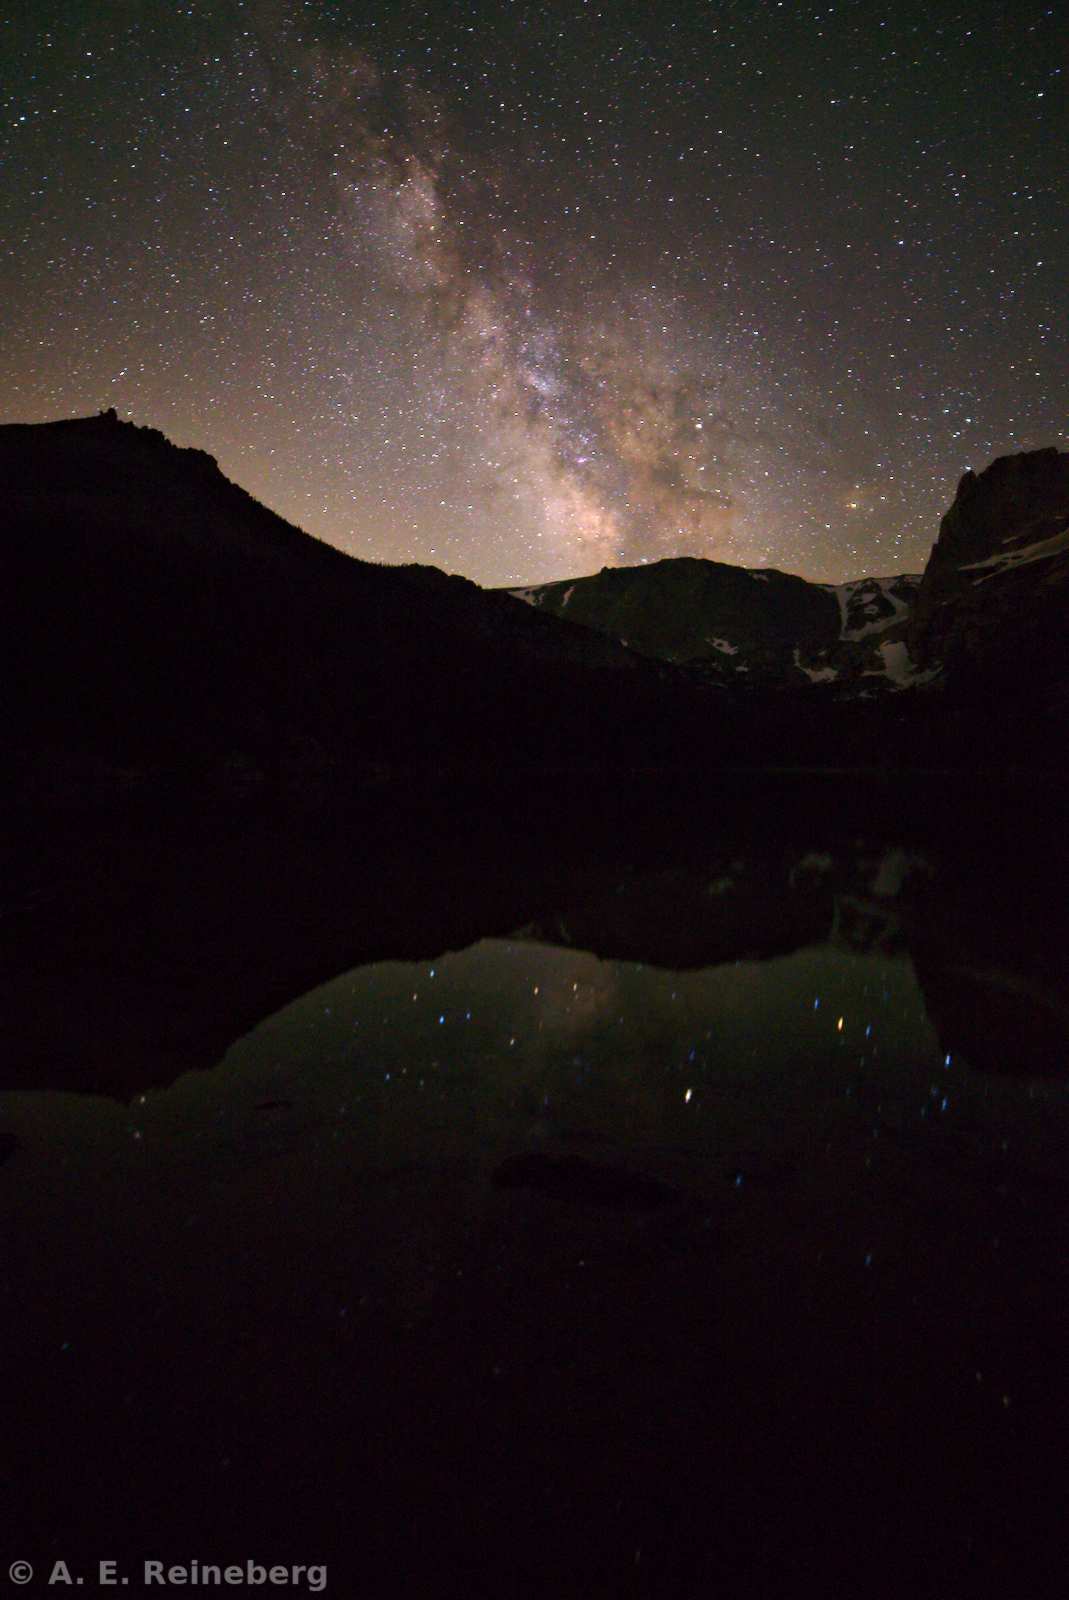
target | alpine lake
[{"x": 478, "y": 1201}]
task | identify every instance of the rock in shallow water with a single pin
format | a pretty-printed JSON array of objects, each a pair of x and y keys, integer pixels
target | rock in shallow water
[{"x": 585, "y": 1182}]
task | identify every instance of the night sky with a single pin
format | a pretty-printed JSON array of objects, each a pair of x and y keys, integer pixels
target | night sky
[{"x": 524, "y": 291}]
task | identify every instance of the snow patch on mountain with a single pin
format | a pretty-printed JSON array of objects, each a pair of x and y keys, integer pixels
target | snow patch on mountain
[
  {"x": 537, "y": 593},
  {"x": 898, "y": 667},
  {"x": 1041, "y": 550},
  {"x": 871, "y": 605}
]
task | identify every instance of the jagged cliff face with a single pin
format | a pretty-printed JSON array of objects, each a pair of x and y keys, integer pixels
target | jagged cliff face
[
  {"x": 993, "y": 598},
  {"x": 753, "y": 628}
]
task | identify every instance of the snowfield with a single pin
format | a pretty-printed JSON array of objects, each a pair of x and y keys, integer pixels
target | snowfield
[{"x": 871, "y": 591}]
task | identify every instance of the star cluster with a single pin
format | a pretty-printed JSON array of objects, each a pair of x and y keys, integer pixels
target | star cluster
[{"x": 525, "y": 291}]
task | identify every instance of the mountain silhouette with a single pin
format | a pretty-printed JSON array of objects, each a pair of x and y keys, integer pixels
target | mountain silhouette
[{"x": 166, "y": 635}]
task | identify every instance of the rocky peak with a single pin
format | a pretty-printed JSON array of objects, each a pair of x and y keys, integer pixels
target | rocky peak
[
  {"x": 1001, "y": 563},
  {"x": 102, "y": 455},
  {"x": 1002, "y": 506}
]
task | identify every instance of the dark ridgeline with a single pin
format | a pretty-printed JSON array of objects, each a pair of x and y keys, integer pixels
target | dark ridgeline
[
  {"x": 166, "y": 634},
  {"x": 161, "y": 622}
]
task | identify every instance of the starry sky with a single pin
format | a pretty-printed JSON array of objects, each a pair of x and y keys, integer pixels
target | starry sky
[{"x": 528, "y": 290}]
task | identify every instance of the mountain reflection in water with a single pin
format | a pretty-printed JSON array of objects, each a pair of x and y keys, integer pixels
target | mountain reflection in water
[{"x": 692, "y": 1229}]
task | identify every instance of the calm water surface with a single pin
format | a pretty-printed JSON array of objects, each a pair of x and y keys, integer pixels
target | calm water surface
[{"x": 522, "y": 1265}]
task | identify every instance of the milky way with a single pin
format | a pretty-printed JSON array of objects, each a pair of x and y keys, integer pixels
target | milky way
[{"x": 528, "y": 291}]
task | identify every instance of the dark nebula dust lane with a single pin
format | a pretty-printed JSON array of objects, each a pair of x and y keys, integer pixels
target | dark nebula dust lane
[{"x": 527, "y": 291}]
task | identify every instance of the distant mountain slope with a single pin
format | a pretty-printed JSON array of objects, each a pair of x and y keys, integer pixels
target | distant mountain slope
[
  {"x": 988, "y": 621},
  {"x": 761, "y": 628}
]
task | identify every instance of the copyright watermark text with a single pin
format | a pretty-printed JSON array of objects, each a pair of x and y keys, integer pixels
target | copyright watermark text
[{"x": 165, "y": 1575}]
